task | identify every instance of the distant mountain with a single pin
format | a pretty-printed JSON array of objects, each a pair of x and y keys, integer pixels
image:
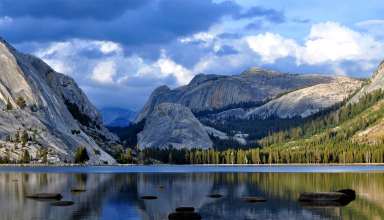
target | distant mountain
[
  {"x": 243, "y": 108},
  {"x": 216, "y": 92},
  {"x": 45, "y": 113},
  {"x": 117, "y": 117}
]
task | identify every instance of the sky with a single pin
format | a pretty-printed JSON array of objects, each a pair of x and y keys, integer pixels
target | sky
[{"x": 118, "y": 51}]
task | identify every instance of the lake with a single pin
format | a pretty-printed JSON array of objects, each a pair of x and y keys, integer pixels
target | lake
[{"x": 115, "y": 192}]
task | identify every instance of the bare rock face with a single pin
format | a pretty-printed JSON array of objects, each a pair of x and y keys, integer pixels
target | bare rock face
[
  {"x": 375, "y": 83},
  {"x": 305, "y": 102},
  {"x": 210, "y": 92},
  {"x": 173, "y": 125},
  {"x": 49, "y": 108}
]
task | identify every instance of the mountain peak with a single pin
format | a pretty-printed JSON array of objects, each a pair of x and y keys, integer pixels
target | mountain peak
[
  {"x": 201, "y": 77},
  {"x": 7, "y": 45},
  {"x": 261, "y": 72}
]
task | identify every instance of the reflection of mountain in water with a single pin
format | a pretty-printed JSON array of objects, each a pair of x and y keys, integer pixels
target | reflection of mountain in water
[{"x": 117, "y": 196}]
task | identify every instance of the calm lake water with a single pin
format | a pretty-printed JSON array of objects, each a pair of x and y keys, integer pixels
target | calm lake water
[{"x": 114, "y": 192}]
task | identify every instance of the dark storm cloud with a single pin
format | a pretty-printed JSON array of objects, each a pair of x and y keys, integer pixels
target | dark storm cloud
[
  {"x": 68, "y": 9},
  {"x": 266, "y": 13},
  {"x": 152, "y": 22}
]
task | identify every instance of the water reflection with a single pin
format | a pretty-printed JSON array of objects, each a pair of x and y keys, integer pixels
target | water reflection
[{"x": 117, "y": 196}]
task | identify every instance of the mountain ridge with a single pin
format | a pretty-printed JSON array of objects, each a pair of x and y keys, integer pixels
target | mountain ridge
[
  {"x": 210, "y": 92},
  {"x": 230, "y": 104}
]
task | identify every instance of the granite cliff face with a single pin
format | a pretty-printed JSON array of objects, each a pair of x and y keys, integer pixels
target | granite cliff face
[
  {"x": 173, "y": 125},
  {"x": 49, "y": 109},
  {"x": 299, "y": 103},
  {"x": 376, "y": 82},
  {"x": 212, "y": 92}
]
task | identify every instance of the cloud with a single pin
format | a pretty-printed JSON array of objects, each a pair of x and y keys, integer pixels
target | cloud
[
  {"x": 373, "y": 27},
  {"x": 260, "y": 12},
  {"x": 198, "y": 37},
  {"x": 226, "y": 50},
  {"x": 229, "y": 35},
  {"x": 327, "y": 42},
  {"x": 272, "y": 46},
  {"x": 109, "y": 69},
  {"x": 152, "y": 22},
  {"x": 103, "y": 72},
  {"x": 165, "y": 67},
  {"x": 5, "y": 20},
  {"x": 332, "y": 42},
  {"x": 69, "y": 9},
  {"x": 255, "y": 25}
]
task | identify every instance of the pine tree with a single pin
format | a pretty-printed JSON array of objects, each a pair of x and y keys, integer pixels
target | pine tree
[
  {"x": 9, "y": 106},
  {"x": 81, "y": 155},
  {"x": 21, "y": 102},
  {"x": 26, "y": 157}
]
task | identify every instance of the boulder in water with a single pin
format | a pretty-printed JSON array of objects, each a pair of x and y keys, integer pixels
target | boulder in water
[
  {"x": 45, "y": 196},
  {"x": 253, "y": 199},
  {"x": 148, "y": 197},
  {"x": 78, "y": 190},
  {"x": 184, "y": 213},
  {"x": 338, "y": 198},
  {"x": 185, "y": 209},
  {"x": 215, "y": 195},
  {"x": 62, "y": 203}
]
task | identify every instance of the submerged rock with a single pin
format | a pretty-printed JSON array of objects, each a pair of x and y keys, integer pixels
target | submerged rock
[
  {"x": 184, "y": 213},
  {"x": 253, "y": 199},
  {"x": 215, "y": 195},
  {"x": 62, "y": 203},
  {"x": 78, "y": 190},
  {"x": 338, "y": 198},
  {"x": 185, "y": 209},
  {"x": 148, "y": 197},
  {"x": 45, "y": 196},
  {"x": 349, "y": 192}
]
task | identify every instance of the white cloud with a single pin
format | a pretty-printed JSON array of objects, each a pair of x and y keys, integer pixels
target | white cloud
[
  {"x": 103, "y": 72},
  {"x": 107, "y": 47},
  {"x": 112, "y": 67},
  {"x": 201, "y": 36},
  {"x": 332, "y": 42},
  {"x": 69, "y": 48},
  {"x": 165, "y": 67},
  {"x": 327, "y": 42},
  {"x": 271, "y": 46}
]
